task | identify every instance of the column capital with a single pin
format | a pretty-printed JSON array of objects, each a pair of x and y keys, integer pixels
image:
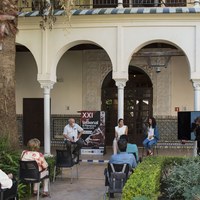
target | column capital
[
  {"x": 46, "y": 84},
  {"x": 120, "y": 83},
  {"x": 196, "y": 84}
]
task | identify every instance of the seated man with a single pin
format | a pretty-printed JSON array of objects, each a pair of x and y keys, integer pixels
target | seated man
[
  {"x": 8, "y": 184},
  {"x": 5, "y": 180},
  {"x": 121, "y": 158},
  {"x": 72, "y": 134}
]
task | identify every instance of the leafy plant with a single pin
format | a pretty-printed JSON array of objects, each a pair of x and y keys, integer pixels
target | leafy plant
[
  {"x": 141, "y": 198},
  {"x": 23, "y": 190},
  {"x": 51, "y": 163},
  {"x": 145, "y": 181},
  {"x": 183, "y": 181}
]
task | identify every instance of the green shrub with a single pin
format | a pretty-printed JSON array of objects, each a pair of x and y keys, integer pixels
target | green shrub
[
  {"x": 9, "y": 163},
  {"x": 51, "y": 163},
  {"x": 145, "y": 181},
  {"x": 9, "y": 158},
  {"x": 141, "y": 198},
  {"x": 183, "y": 181}
]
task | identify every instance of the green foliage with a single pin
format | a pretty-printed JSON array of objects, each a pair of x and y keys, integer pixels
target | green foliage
[
  {"x": 145, "y": 181},
  {"x": 4, "y": 144},
  {"x": 23, "y": 190},
  {"x": 51, "y": 163},
  {"x": 9, "y": 158},
  {"x": 183, "y": 181},
  {"x": 9, "y": 163},
  {"x": 141, "y": 198}
]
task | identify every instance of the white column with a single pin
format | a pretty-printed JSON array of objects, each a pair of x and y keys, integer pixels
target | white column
[
  {"x": 47, "y": 134},
  {"x": 196, "y": 85},
  {"x": 196, "y": 3},
  {"x": 120, "y": 85},
  {"x": 120, "y": 4}
]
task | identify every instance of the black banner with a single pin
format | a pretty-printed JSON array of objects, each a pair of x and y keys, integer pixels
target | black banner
[{"x": 93, "y": 123}]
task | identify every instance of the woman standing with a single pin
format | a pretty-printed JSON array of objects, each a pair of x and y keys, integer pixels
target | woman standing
[
  {"x": 152, "y": 135},
  {"x": 120, "y": 130}
]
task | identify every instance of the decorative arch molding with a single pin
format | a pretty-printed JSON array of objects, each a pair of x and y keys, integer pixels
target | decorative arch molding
[
  {"x": 23, "y": 43},
  {"x": 186, "y": 51},
  {"x": 67, "y": 46},
  {"x": 96, "y": 65},
  {"x": 17, "y": 43}
]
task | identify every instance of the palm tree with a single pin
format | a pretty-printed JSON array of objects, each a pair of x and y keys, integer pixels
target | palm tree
[{"x": 8, "y": 30}]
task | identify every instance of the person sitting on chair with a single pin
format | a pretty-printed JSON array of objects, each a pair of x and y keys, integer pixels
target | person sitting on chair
[
  {"x": 72, "y": 134},
  {"x": 33, "y": 155},
  {"x": 152, "y": 136},
  {"x": 5, "y": 180},
  {"x": 120, "y": 130},
  {"x": 123, "y": 157}
]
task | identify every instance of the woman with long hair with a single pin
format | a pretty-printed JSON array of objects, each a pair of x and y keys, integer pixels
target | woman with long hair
[{"x": 152, "y": 135}]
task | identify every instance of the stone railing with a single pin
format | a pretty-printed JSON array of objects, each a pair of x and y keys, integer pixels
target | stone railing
[{"x": 37, "y": 5}]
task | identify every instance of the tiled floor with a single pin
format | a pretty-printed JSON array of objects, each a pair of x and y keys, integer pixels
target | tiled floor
[{"x": 90, "y": 185}]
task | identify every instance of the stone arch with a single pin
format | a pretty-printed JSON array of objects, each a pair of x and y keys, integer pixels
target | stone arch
[
  {"x": 137, "y": 103},
  {"x": 71, "y": 44},
  {"x": 164, "y": 41},
  {"x": 23, "y": 43}
]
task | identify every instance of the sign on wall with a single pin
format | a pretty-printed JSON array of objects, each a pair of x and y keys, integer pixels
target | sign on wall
[{"x": 93, "y": 123}]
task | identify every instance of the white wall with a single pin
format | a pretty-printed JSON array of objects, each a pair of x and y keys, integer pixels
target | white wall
[
  {"x": 67, "y": 93},
  {"x": 27, "y": 85},
  {"x": 182, "y": 93},
  {"x": 66, "y": 96},
  {"x": 80, "y": 74}
]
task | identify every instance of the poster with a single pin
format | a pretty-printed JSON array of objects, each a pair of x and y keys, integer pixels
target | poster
[{"x": 93, "y": 124}]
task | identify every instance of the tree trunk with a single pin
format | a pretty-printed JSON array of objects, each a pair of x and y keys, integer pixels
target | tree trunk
[{"x": 8, "y": 123}]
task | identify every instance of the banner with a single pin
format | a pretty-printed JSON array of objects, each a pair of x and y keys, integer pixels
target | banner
[{"x": 93, "y": 124}]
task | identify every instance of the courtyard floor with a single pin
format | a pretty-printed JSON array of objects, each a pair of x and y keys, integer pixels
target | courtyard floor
[{"x": 90, "y": 184}]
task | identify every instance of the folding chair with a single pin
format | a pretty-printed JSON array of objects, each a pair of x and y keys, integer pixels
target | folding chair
[
  {"x": 7, "y": 194},
  {"x": 29, "y": 173},
  {"x": 64, "y": 160},
  {"x": 116, "y": 175}
]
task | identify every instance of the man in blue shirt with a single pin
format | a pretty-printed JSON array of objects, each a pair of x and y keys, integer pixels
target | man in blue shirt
[{"x": 123, "y": 156}]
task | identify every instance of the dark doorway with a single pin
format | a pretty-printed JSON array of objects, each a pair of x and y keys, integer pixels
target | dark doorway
[
  {"x": 138, "y": 101},
  {"x": 33, "y": 119}
]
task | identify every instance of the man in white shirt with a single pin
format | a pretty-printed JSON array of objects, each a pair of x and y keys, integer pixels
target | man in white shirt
[
  {"x": 5, "y": 180},
  {"x": 72, "y": 134}
]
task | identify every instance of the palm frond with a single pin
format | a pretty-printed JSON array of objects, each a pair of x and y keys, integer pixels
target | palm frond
[{"x": 8, "y": 18}]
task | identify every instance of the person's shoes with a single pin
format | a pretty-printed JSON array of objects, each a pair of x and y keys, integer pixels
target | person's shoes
[
  {"x": 76, "y": 158},
  {"x": 45, "y": 194},
  {"x": 151, "y": 153},
  {"x": 35, "y": 193}
]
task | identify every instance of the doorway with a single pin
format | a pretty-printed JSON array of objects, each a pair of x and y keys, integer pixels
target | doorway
[
  {"x": 138, "y": 101},
  {"x": 33, "y": 119}
]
